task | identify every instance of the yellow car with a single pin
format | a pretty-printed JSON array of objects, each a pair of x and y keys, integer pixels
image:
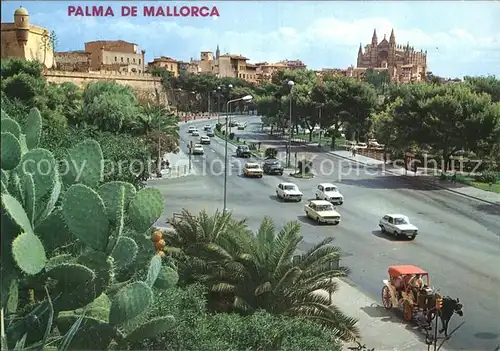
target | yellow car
[
  {"x": 322, "y": 211},
  {"x": 253, "y": 170}
]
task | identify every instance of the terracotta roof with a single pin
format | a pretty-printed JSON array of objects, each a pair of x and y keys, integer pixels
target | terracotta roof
[
  {"x": 164, "y": 59},
  {"x": 235, "y": 57},
  {"x": 110, "y": 41},
  {"x": 251, "y": 65}
]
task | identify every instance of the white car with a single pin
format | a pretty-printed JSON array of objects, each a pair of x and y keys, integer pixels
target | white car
[
  {"x": 330, "y": 193},
  {"x": 205, "y": 140},
  {"x": 191, "y": 128},
  {"x": 195, "y": 132},
  {"x": 198, "y": 149},
  {"x": 398, "y": 225},
  {"x": 207, "y": 127},
  {"x": 361, "y": 146},
  {"x": 288, "y": 191}
]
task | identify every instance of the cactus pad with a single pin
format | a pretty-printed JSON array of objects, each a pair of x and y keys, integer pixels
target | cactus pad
[
  {"x": 15, "y": 187},
  {"x": 57, "y": 260},
  {"x": 125, "y": 252},
  {"x": 16, "y": 211},
  {"x": 29, "y": 197},
  {"x": 111, "y": 194},
  {"x": 41, "y": 164},
  {"x": 93, "y": 333},
  {"x": 11, "y": 151},
  {"x": 71, "y": 273},
  {"x": 29, "y": 253},
  {"x": 99, "y": 308},
  {"x": 153, "y": 270},
  {"x": 33, "y": 128},
  {"x": 145, "y": 208},
  {"x": 85, "y": 163},
  {"x": 53, "y": 231},
  {"x": 152, "y": 328},
  {"x": 130, "y": 302},
  {"x": 10, "y": 126},
  {"x": 85, "y": 214},
  {"x": 49, "y": 202},
  {"x": 167, "y": 278}
]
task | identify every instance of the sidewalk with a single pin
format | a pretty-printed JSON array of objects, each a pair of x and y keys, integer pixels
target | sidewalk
[
  {"x": 380, "y": 329},
  {"x": 423, "y": 176}
]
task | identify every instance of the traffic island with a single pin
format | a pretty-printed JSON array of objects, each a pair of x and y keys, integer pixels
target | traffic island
[{"x": 302, "y": 175}]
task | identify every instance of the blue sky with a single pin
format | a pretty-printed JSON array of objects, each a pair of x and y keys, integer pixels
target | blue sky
[{"x": 462, "y": 38}]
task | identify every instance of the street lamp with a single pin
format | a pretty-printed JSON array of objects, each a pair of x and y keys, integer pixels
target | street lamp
[
  {"x": 218, "y": 105},
  {"x": 245, "y": 98},
  {"x": 291, "y": 83},
  {"x": 230, "y": 86}
]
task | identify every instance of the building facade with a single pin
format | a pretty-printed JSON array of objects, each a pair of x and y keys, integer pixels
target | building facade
[
  {"x": 265, "y": 70},
  {"x": 115, "y": 55},
  {"x": 73, "y": 61},
  {"x": 403, "y": 63},
  {"x": 26, "y": 41},
  {"x": 166, "y": 63}
]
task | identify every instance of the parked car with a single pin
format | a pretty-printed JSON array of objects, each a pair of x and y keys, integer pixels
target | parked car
[
  {"x": 322, "y": 211},
  {"x": 207, "y": 127},
  {"x": 210, "y": 132},
  {"x": 273, "y": 166},
  {"x": 195, "y": 132},
  {"x": 253, "y": 170},
  {"x": 205, "y": 140},
  {"x": 330, "y": 193},
  {"x": 242, "y": 125},
  {"x": 198, "y": 149},
  {"x": 398, "y": 225},
  {"x": 233, "y": 123},
  {"x": 361, "y": 146},
  {"x": 191, "y": 128},
  {"x": 243, "y": 151},
  {"x": 288, "y": 191}
]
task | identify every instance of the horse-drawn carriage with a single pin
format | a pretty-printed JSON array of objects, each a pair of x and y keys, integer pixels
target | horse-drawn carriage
[{"x": 419, "y": 301}]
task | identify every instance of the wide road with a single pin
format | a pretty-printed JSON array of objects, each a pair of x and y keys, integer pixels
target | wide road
[{"x": 459, "y": 241}]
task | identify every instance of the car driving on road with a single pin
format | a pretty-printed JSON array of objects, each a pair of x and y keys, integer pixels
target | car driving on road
[
  {"x": 322, "y": 211},
  {"x": 198, "y": 149},
  {"x": 205, "y": 140},
  {"x": 243, "y": 151},
  {"x": 329, "y": 192},
  {"x": 252, "y": 169},
  {"x": 288, "y": 191},
  {"x": 207, "y": 127},
  {"x": 398, "y": 225},
  {"x": 273, "y": 166},
  {"x": 195, "y": 132},
  {"x": 191, "y": 128},
  {"x": 210, "y": 132}
]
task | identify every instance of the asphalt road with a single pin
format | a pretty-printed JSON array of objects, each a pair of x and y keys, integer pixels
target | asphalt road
[{"x": 458, "y": 244}]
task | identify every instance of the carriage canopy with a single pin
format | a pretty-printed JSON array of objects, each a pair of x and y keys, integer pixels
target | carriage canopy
[{"x": 407, "y": 269}]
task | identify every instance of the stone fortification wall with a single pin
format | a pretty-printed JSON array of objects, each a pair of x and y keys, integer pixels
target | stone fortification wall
[{"x": 145, "y": 85}]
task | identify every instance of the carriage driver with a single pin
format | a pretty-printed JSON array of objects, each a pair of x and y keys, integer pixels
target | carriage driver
[{"x": 416, "y": 283}]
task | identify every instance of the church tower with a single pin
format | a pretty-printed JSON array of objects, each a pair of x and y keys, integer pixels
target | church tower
[
  {"x": 360, "y": 56},
  {"x": 217, "y": 52},
  {"x": 374, "y": 49}
]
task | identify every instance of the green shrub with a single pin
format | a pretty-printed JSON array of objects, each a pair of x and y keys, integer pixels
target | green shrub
[
  {"x": 231, "y": 136},
  {"x": 305, "y": 166},
  {"x": 218, "y": 127},
  {"x": 487, "y": 177}
]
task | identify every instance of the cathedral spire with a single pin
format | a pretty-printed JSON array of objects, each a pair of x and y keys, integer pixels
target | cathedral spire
[
  {"x": 374, "y": 38},
  {"x": 360, "y": 51},
  {"x": 392, "y": 38},
  {"x": 217, "y": 52}
]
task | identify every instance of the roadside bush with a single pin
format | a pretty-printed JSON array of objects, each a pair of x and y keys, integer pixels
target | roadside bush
[
  {"x": 218, "y": 127},
  {"x": 271, "y": 152},
  {"x": 231, "y": 136},
  {"x": 305, "y": 166},
  {"x": 487, "y": 177}
]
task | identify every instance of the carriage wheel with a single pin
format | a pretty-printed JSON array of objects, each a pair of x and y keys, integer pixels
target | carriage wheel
[
  {"x": 407, "y": 311},
  {"x": 386, "y": 297}
]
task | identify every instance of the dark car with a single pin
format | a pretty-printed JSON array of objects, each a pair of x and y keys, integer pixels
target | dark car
[
  {"x": 272, "y": 167},
  {"x": 233, "y": 123},
  {"x": 210, "y": 132},
  {"x": 243, "y": 151}
]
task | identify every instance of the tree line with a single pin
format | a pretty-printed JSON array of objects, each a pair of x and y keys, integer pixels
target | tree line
[{"x": 128, "y": 129}]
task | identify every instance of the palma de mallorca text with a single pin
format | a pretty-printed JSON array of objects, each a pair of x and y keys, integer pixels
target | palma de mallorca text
[{"x": 147, "y": 11}]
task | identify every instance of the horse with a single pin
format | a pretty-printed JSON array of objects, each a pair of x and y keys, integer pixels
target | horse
[{"x": 450, "y": 307}]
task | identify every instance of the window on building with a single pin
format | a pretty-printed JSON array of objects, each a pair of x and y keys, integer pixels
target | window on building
[
  {"x": 140, "y": 71},
  {"x": 116, "y": 58},
  {"x": 122, "y": 59},
  {"x": 133, "y": 60},
  {"x": 139, "y": 61},
  {"x": 128, "y": 59}
]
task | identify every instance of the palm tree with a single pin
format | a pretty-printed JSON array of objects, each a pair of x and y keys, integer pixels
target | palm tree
[
  {"x": 156, "y": 118},
  {"x": 255, "y": 272}
]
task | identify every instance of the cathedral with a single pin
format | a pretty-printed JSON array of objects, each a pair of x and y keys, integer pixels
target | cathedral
[{"x": 403, "y": 63}]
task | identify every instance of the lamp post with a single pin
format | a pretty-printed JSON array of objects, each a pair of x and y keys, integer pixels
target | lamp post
[
  {"x": 218, "y": 105},
  {"x": 245, "y": 98},
  {"x": 320, "y": 108},
  {"x": 229, "y": 87},
  {"x": 291, "y": 83}
]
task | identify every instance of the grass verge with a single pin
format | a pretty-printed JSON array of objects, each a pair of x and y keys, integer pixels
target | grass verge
[{"x": 471, "y": 181}]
